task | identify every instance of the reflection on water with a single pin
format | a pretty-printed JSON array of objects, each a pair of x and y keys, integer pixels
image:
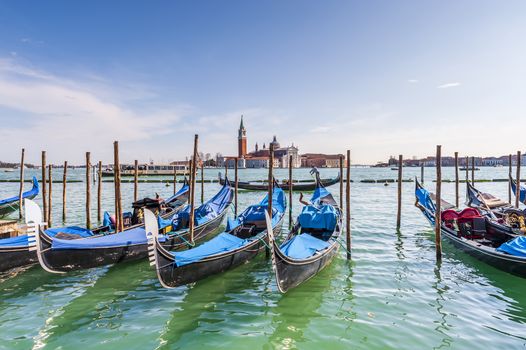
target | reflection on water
[{"x": 392, "y": 295}]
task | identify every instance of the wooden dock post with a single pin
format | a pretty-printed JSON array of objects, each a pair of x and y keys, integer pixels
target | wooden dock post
[
  {"x": 509, "y": 177},
  {"x": 117, "y": 181},
  {"x": 290, "y": 192},
  {"x": 88, "y": 190},
  {"x": 438, "y": 217},
  {"x": 21, "y": 191},
  {"x": 456, "y": 181},
  {"x": 467, "y": 168},
  {"x": 348, "y": 205},
  {"x": 422, "y": 173},
  {"x": 236, "y": 183},
  {"x": 50, "y": 195},
  {"x": 192, "y": 191},
  {"x": 99, "y": 192},
  {"x": 226, "y": 167},
  {"x": 175, "y": 179},
  {"x": 135, "y": 180},
  {"x": 518, "y": 187},
  {"x": 342, "y": 159},
  {"x": 44, "y": 184},
  {"x": 203, "y": 183},
  {"x": 270, "y": 187},
  {"x": 473, "y": 170},
  {"x": 64, "y": 182},
  {"x": 399, "y": 212}
]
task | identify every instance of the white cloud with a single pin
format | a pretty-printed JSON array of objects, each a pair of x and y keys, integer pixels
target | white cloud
[
  {"x": 68, "y": 118},
  {"x": 412, "y": 81},
  {"x": 448, "y": 85}
]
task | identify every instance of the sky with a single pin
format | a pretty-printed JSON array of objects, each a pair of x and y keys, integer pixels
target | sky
[{"x": 377, "y": 77}]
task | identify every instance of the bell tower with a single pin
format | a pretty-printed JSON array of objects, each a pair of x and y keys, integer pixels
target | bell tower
[{"x": 242, "y": 140}]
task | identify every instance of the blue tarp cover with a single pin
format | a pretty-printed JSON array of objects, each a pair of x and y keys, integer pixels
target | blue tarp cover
[
  {"x": 515, "y": 247},
  {"x": 182, "y": 190},
  {"x": 424, "y": 199},
  {"x": 319, "y": 194},
  {"x": 20, "y": 241},
  {"x": 74, "y": 230},
  {"x": 256, "y": 212},
  {"x": 221, "y": 243},
  {"x": 28, "y": 194},
  {"x": 322, "y": 218},
  {"x": 204, "y": 213},
  {"x": 303, "y": 246},
  {"x": 125, "y": 238}
]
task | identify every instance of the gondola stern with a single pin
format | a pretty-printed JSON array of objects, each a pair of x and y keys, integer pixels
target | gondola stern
[
  {"x": 35, "y": 225},
  {"x": 273, "y": 247}
]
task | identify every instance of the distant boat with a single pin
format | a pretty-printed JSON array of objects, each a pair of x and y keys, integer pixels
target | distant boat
[
  {"x": 10, "y": 205},
  {"x": 469, "y": 168},
  {"x": 9, "y": 170},
  {"x": 149, "y": 170}
]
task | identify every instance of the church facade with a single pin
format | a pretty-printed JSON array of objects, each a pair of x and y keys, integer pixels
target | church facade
[{"x": 259, "y": 157}]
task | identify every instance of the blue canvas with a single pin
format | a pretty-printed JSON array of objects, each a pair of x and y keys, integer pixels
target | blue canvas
[
  {"x": 515, "y": 247},
  {"x": 221, "y": 243},
  {"x": 303, "y": 246},
  {"x": 130, "y": 237}
]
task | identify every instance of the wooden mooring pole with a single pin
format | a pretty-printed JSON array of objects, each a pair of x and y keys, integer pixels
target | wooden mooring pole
[
  {"x": 456, "y": 181},
  {"x": 44, "y": 184},
  {"x": 235, "y": 188},
  {"x": 348, "y": 204},
  {"x": 467, "y": 168},
  {"x": 518, "y": 187},
  {"x": 438, "y": 217},
  {"x": 64, "y": 188},
  {"x": 88, "y": 190},
  {"x": 136, "y": 180},
  {"x": 50, "y": 196},
  {"x": 175, "y": 179},
  {"x": 117, "y": 180},
  {"x": 290, "y": 192},
  {"x": 21, "y": 190},
  {"x": 342, "y": 159},
  {"x": 203, "y": 183},
  {"x": 99, "y": 192},
  {"x": 509, "y": 177},
  {"x": 422, "y": 173},
  {"x": 473, "y": 170},
  {"x": 270, "y": 187},
  {"x": 399, "y": 212},
  {"x": 192, "y": 190}
]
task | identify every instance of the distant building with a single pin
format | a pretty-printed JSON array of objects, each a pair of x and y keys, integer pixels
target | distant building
[
  {"x": 259, "y": 158},
  {"x": 320, "y": 160}
]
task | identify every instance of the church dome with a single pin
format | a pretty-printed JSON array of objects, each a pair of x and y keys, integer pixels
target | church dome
[{"x": 275, "y": 143}]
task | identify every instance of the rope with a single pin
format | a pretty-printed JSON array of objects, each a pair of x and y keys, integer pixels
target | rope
[
  {"x": 184, "y": 239},
  {"x": 264, "y": 243},
  {"x": 344, "y": 246}
]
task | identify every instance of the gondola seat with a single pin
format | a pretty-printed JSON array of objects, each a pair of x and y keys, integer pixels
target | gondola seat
[{"x": 303, "y": 246}]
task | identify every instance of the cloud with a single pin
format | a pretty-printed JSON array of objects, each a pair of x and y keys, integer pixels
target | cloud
[
  {"x": 412, "y": 81},
  {"x": 448, "y": 85},
  {"x": 69, "y": 118}
]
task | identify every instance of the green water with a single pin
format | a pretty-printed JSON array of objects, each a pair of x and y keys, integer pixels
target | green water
[{"x": 392, "y": 295}]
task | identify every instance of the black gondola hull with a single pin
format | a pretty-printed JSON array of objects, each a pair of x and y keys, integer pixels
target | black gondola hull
[
  {"x": 173, "y": 276},
  {"x": 64, "y": 260},
  {"x": 291, "y": 273},
  {"x": 296, "y": 186},
  {"x": 11, "y": 258},
  {"x": 505, "y": 262}
]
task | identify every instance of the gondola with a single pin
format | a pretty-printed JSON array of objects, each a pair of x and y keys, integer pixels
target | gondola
[
  {"x": 21, "y": 251},
  {"x": 311, "y": 244},
  {"x": 62, "y": 255},
  {"x": 469, "y": 231},
  {"x": 522, "y": 191},
  {"x": 10, "y": 205},
  {"x": 502, "y": 217},
  {"x": 296, "y": 186},
  {"x": 242, "y": 240}
]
